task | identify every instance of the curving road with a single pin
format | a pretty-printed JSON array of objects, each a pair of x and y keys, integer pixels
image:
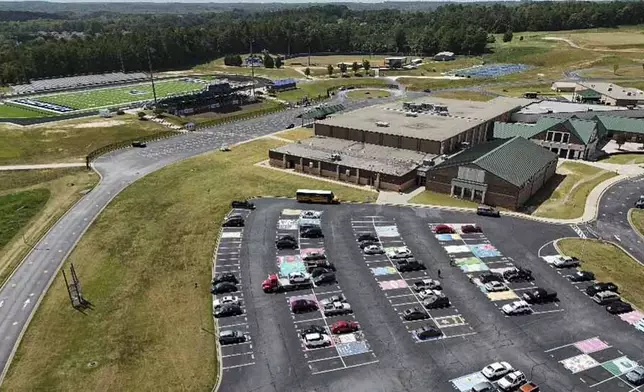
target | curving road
[{"x": 23, "y": 291}]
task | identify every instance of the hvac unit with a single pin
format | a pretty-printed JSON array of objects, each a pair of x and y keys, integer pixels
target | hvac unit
[{"x": 382, "y": 124}]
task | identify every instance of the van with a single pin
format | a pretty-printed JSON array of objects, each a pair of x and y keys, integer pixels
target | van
[
  {"x": 487, "y": 211},
  {"x": 605, "y": 297}
]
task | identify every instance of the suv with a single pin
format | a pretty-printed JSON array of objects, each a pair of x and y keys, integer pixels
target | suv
[
  {"x": 488, "y": 211},
  {"x": 490, "y": 277},
  {"x": 245, "y": 204},
  {"x": 225, "y": 277},
  {"x": 601, "y": 286},
  {"x": 303, "y": 305},
  {"x": 518, "y": 275},
  {"x": 323, "y": 263},
  {"x": 443, "y": 229},
  {"x": 605, "y": 297},
  {"x": 231, "y": 337},
  {"x": 234, "y": 221},
  {"x": 314, "y": 255},
  {"x": 325, "y": 278},
  {"x": 367, "y": 237},
  {"x": 566, "y": 262},
  {"x": 286, "y": 242},
  {"x": 139, "y": 144},
  {"x": 311, "y": 232},
  {"x": 228, "y": 310},
  {"x": 404, "y": 265}
]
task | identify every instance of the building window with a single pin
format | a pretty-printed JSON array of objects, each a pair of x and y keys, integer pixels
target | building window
[
  {"x": 549, "y": 136},
  {"x": 557, "y": 137},
  {"x": 566, "y": 137}
]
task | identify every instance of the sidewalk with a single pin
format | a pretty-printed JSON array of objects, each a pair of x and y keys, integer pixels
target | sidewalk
[{"x": 42, "y": 166}]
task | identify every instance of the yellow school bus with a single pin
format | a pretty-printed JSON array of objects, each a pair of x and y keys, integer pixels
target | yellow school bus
[{"x": 315, "y": 196}]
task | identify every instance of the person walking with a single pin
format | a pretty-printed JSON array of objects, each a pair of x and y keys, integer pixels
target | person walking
[{"x": 439, "y": 274}]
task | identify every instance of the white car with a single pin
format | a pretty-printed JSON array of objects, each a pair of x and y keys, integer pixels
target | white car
[
  {"x": 399, "y": 253},
  {"x": 496, "y": 370},
  {"x": 516, "y": 307},
  {"x": 566, "y": 261},
  {"x": 373, "y": 250},
  {"x": 512, "y": 380},
  {"x": 424, "y": 294},
  {"x": 337, "y": 308},
  {"x": 314, "y": 255},
  {"x": 297, "y": 277},
  {"x": 312, "y": 340},
  {"x": 225, "y": 300},
  {"x": 426, "y": 284},
  {"x": 311, "y": 214},
  {"x": 494, "y": 286}
]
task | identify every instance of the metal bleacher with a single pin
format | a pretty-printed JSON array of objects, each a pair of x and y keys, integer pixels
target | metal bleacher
[{"x": 74, "y": 82}]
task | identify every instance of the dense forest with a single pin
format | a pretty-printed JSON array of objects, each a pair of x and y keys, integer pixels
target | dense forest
[{"x": 37, "y": 45}]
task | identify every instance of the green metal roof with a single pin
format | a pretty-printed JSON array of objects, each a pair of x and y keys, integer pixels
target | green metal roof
[
  {"x": 589, "y": 94},
  {"x": 583, "y": 129},
  {"x": 621, "y": 124},
  {"x": 515, "y": 160},
  {"x": 507, "y": 130},
  {"x": 320, "y": 111}
]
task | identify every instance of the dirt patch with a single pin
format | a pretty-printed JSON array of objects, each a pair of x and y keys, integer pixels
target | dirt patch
[{"x": 100, "y": 124}]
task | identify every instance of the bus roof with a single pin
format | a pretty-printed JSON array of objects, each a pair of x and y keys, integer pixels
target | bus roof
[{"x": 317, "y": 192}]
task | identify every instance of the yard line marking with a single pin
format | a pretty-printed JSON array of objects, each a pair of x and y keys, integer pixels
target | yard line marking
[
  {"x": 237, "y": 366},
  {"x": 347, "y": 367},
  {"x": 236, "y": 355},
  {"x": 323, "y": 359}
]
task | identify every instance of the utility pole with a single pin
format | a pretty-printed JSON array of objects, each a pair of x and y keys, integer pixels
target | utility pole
[
  {"x": 154, "y": 91},
  {"x": 252, "y": 69}
]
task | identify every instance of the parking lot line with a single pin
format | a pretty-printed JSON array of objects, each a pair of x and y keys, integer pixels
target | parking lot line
[
  {"x": 405, "y": 303},
  {"x": 548, "y": 311},
  {"x": 323, "y": 359},
  {"x": 235, "y": 325},
  {"x": 309, "y": 320},
  {"x": 347, "y": 367},
  {"x": 399, "y": 296},
  {"x": 330, "y": 292},
  {"x": 237, "y": 355},
  {"x": 238, "y": 366}
]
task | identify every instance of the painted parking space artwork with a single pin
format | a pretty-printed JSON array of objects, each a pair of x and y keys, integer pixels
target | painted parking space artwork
[
  {"x": 465, "y": 383},
  {"x": 591, "y": 345},
  {"x": 291, "y": 212},
  {"x": 454, "y": 249},
  {"x": 484, "y": 250},
  {"x": 471, "y": 264},
  {"x": 231, "y": 234},
  {"x": 290, "y": 264},
  {"x": 387, "y": 231},
  {"x": 350, "y": 344},
  {"x": 448, "y": 237},
  {"x": 393, "y": 284},
  {"x": 287, "y": 224},
  {"x": 380, "y": 271}
]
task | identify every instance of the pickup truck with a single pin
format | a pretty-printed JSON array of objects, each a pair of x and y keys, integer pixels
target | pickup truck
[
  {"x": 275, "y": 284},
  {"x": 539, "y": 295}
]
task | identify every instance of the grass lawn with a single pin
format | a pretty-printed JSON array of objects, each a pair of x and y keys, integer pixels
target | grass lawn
[
  {"x": 564, "y": 195},
  {"x": 218, "y": 66},
  {"x": 139, "y": 263},
  {"x": 464, "y": 95},
  {"x": 323, "y": 61},
  {"x": 518, "y": 91},
  {"x": 316, "y": 88},
  {"x": 68, "y": 141},
  {"x": 16, "y": 209},
  {"x": 296, "y": 134},
  {"x": 625, "y": 159},
  {"x": 94, "y": 98},
  {"x": 609, "y": 264},
  {"x": 637, "y": 218},
  {"x": 11, "y": 111},
  {"x": 441, "y": 199},
  {"x": 63, "y": 188},
  {"x": 368, "y": 94},
  {"x": 419, "y": 84}
]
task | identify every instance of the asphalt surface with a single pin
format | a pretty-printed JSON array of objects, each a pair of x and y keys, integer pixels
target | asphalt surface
[
  {"x": 21, "y": 293},
  {"x": 281, "y": 364}
]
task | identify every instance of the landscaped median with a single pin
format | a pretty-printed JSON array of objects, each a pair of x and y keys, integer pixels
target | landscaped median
[
  {"x": 145, "y": 264},
  {"x": 609, "y": 263}
]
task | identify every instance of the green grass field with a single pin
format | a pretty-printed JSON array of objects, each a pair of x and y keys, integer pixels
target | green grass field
[
  {"x": 316, "y": 88},
  {"x": 139, "y": 263},
  {"x": 17, "y": 209},
  {"x": 625, "y": 159},
  {"x": 368, "y": 94},
  {"x": 441, "y": 199},
  {"x": 637, "y": 218},
  {"x": 463, "y": 95},
  {"x": 96, "y": 98},
  {"x": 11, "y": 111}
]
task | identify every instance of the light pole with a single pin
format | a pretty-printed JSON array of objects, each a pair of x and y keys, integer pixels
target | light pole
[
  {"x": 154, "y": 91},
  {"x": 252, "y": 69}
]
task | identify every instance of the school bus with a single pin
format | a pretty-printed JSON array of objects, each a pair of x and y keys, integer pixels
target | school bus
[{"x": 316, "y": 196}]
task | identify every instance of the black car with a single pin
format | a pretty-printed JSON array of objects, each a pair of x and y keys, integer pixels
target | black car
[
  {"x": 286, "y": 243},
  {"x": 488, "y": 211},
  {"x": 427, "y": 332},
  {"x": 581, "y": 276},
  {"x": 289, "y": 126},
  {"x": 228, "y": 310},
  {"x": 619, "y": 307},
  {"x": 223, "y": 287},
  {"x": 367, "y": 237},
  {"x": 231, "y": 337},
  {"x": 234, "y": 221},
  {"x": 490, "y": 277},
  {"x": 518, "y": 275},
  {"x": 313, "y": 329},
  {"x": 364, "y": 244},
  {"x": 315, "y": 272},
  {"x": 139, "y": 144},
  {"x": 415, "y": 314},
  {"x": 325, "y": 278},
  {"x": 405, "y": 265},
  {"x": 245, "y": 204},
  {"x": 303, "y": 305},
  {"x": 601, "y": 286},
  {"x": 225, "y": 277},
  {"x": 434, "y": 302},
  {"x": 311, "y": 232}
]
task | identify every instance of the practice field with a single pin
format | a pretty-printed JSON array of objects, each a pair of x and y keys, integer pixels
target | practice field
[
  {"x": 10, "y": 111},
  {"x": 97, "y": 98}
]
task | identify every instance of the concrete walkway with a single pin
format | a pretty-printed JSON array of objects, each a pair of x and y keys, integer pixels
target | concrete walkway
[
  {"x": 42, "y": 166},
  {"x": 386, "y": 197}
]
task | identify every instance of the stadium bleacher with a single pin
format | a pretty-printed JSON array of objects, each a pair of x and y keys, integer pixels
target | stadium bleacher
[
  {"x": 72, "y": 82},
  {"x": 44, "y": 105}
]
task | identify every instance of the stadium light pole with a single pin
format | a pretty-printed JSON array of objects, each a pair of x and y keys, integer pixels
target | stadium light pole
[{"x": 154, "y": 91}]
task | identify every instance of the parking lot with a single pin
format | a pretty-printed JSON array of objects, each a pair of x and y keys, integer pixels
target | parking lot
[{"x": 377, "y": 295}]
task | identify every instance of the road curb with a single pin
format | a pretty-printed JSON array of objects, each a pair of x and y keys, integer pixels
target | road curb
[{"x": 630, "y": 222}]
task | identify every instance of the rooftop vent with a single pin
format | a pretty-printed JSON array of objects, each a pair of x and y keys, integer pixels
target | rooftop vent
[
  {"x": 411, "y": 114},
  {"x": 335, "y": 157},
  {"x": 610, "y": 89},
  {"x": 382, "y": 124}
]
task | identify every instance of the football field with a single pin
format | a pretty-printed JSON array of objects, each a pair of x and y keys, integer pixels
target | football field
[{"x": 101, "y": 97}]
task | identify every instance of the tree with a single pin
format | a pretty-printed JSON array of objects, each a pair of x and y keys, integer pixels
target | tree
[
  {"x": 268, "y": 61},
  {"x": 620, "y": 139},
  {"x": 329, "y": 69},
  {"x": 278, "y": 62},
  {"x": 366, "y": 65},
  {"x": 141, "y": 115},
  {"x": 343, "y": 68},
  {"x": 507, "y": 36},
  {"x": 307, "y": 72},
  {"x": 158, "y": 111},
  {"x": 355, "y": 67},
  {"x": 237, "y": 61},
  {"x": 521, "y": 38},
  {"x": 615, "y": 68}
]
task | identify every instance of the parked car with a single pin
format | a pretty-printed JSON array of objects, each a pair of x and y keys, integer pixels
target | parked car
[
  {"x": 344, "y": 326},
  {"x": 496, "y": 370},
  {"x": 337, "y": 308},
  {"x": 601, "y": 286},
  {"x": 428, "y": 293},
  {"x": 313, "y": 340},
  {"x": 427, "y": 332},
  {"x": 333, "y": 298},
  {"x": 287, "y": 242},
  {"x": 303, "y": 306},
  {"x": 373, "y": 250},
  {"x": 314, "y": 255},
  {"x": 529, "y": 387},
  {"x": 400, "y": 253},
  {"x": 619, "y": 307},
  {"x": 426, "y": 284},
  {"x": 367, "y": 237},
  {"x": 226, "y": 299},
  {"x": 325, "y": 278},
  {"x": 406, "y": 265},
  {"x": 436, "y": 301},
  {"x": 636, "y": 376},
  {"x": 311, "y": 214},
  {"x": 566, "y": 262},
  {"x": 313, "y": 329},
  {"x": 225, "y": 277},
  {"x": 487, "y": 211},
  {"x": 639, "y": 325},
  {"x": 311, "y": 232},
  {"x": 516, "y": 307},
  {"x": 231, "y": 337},
  {"x": 315, "y": 272},
  {"x": 245, "y": 204},
  {"x": 518, "y": 275},
  {"x": 289, "y": 126},
  {"x": 639, "y": 203},
  {"x": 415, "y": 314},
  {"x": 298, "y": 278},
  {"x": 484, "y": 386},
  {"x": 606, "y": 297},
  {"x": 228, "y": 310},
  {"x": 234, "y": 221},
  {"x": 581, "y": 276},
  {"x": 139, "y": 144},
  {"x": 443, "y": 229},
  {"x": 488, "y": 277},
  {"x": 471, "y": 229},
  {"x": 322, "y": 263},
  {"x": 512, "y": 380},
  {"x": 539, "y": 296},
  {"x": 223, "y": 287},
  {"x": 494, "y": 286},
  {"x": 366, "y": 243}
]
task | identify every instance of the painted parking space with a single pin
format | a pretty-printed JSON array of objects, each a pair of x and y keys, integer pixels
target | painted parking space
[
  {"x": 341, "y": 351},
  {"x": 475, "y": 255},
  {"x": 465, "y": 383},
  {"x": 234, "y": 357},
  {"x": 397, "y": 286},
  {"x": 596, "y": 363}
]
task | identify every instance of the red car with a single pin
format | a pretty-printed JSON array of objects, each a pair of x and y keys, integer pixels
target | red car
[
  {"x": 443, "y": 229},
  {"x": 344, "y": 326},
  {"x": 471, "y": 229}
]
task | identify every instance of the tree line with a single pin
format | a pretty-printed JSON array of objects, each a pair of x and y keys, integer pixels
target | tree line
[{"x": 103, "y": 42}]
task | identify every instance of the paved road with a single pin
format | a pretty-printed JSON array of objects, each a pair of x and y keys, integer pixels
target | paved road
[{"x": 20, "y": 295}]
